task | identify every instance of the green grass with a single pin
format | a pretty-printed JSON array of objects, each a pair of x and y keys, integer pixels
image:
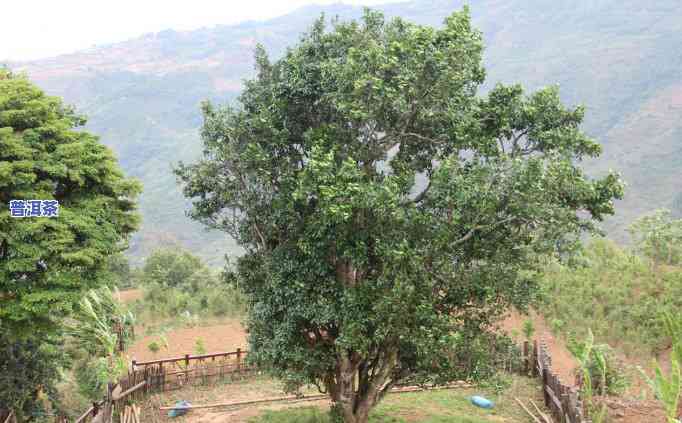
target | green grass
[{"x": 451, "y": 406}]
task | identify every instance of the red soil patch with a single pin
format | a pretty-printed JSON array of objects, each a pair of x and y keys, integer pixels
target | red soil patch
[
  {"x": 620, "y": 410},
  {"x": 130, "y": 295},
  {"x": 633, "y": 411},
  {"x": 217, "y": 338},
  {"x": 563, "y": 362}
]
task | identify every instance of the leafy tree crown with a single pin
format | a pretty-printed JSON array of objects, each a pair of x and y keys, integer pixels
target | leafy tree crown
[{"x": 387, "y": 211}]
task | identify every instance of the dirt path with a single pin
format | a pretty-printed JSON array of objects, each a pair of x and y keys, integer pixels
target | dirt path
[{"x": 563, "y": 362}]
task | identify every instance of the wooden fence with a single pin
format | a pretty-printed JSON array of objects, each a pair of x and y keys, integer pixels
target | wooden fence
[
  {"x": 163, "y": 375},
  {"x": 562, "y": 400},
  {"x": 7, "y": 416},
  {"x": 174, "y": 373}
]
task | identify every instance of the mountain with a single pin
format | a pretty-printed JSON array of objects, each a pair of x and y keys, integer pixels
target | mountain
[{"x": 620, "y": 58}]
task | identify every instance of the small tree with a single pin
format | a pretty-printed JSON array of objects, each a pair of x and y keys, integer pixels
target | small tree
[
  {"x": 528, "y": 329},
  {"x": 385, "y": 209},
  {"x": 171, "y": 268},
  {"x": 659, "y": 237},
  {"x": 199, "y": 347}
]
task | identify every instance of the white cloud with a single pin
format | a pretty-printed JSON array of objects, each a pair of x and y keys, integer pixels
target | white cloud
[{"x": 32, "y": 29}]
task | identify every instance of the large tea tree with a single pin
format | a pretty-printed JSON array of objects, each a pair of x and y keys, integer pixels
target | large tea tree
[
  {"x": 385, "y": 209},
  {"x": 46, "y": 263}
]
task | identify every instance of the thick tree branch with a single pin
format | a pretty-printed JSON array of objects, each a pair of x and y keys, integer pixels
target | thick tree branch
[{"x": 473, "y": 230}]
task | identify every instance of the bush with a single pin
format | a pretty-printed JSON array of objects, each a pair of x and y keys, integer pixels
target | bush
[{"x": 176, "y": 283}]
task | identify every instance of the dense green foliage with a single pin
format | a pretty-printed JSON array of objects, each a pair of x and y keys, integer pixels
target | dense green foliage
[
  {"x": 97, "y": 334},
  {"x": 122, "y": 275},
  {"x": 177, "y": 284},
  {"x": 616, "y": 57},
  {"x": 658, "y": 236},
  {"x": 600, "y": 370},
  {"x": 615, "y": 293},
  {"x": 29, "y": 370},
  {"x": 47, "y": 263},
  {"x": 355, "y": 274}
]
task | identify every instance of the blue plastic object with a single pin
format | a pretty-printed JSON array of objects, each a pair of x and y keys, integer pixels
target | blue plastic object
[
  {"x": 481, "y": 402},
  {"x": 179, "y": 411}
]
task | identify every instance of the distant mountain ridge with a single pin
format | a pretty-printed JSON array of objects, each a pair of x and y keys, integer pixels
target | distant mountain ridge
[{"x": 619, "y": 58}]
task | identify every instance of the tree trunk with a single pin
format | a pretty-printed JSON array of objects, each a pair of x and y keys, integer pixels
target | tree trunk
[
  {"x": 354, "y": 392},
  {"x": 359, "y": 383}
]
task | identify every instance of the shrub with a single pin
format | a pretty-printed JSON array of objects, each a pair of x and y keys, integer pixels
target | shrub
[
  {"x": 528, "y": 329},
  {"x": 199, "y": 347},
  {"x": 189, "y": 288}
]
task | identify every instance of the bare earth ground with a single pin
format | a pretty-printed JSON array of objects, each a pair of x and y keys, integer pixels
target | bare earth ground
[
  {"x": 129, "y": 295},
  {"x": 227, "y": 336},
  {"x": 245, "y": 390},
  {"x": 224, "y": 335},
  {"x": 563, "y": 362},
  {"x": 634, "y": 411},
  {"x": 409, "y": 407}
]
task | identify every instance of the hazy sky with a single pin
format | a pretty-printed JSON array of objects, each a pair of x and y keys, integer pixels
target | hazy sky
[{"x": 31, "y": 29}]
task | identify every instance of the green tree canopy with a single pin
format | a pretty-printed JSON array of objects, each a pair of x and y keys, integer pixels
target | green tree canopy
[
  {"x": 386, "y": 210},
  {"x": 174, "y": 268},
  {"x": 47, "y": 263},
  {"x": 658, "y": 236}
]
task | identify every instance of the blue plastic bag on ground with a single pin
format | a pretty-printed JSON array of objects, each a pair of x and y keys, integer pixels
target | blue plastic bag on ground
[
  {"x": 482, "y": 402},
  {"x": 179, "y": 411}
]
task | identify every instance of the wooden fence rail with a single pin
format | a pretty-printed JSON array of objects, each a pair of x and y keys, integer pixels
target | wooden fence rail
[
  {"x": 165, "y": 374},
  {"x": 562, "y": 400},
  {"x": 8, "y": 416}
]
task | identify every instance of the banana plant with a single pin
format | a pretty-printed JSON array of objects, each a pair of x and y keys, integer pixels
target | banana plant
[
  {"x": 667, "y": 388},
  {"x": 583, "y": 353}
]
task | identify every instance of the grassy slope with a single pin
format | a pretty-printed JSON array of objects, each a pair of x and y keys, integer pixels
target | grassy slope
[
  {"x": 620, "y": 58},
  {"x": 618, "y": 296}
]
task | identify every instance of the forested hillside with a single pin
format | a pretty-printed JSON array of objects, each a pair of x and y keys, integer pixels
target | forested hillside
[{"x": 619, "y": 58}]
